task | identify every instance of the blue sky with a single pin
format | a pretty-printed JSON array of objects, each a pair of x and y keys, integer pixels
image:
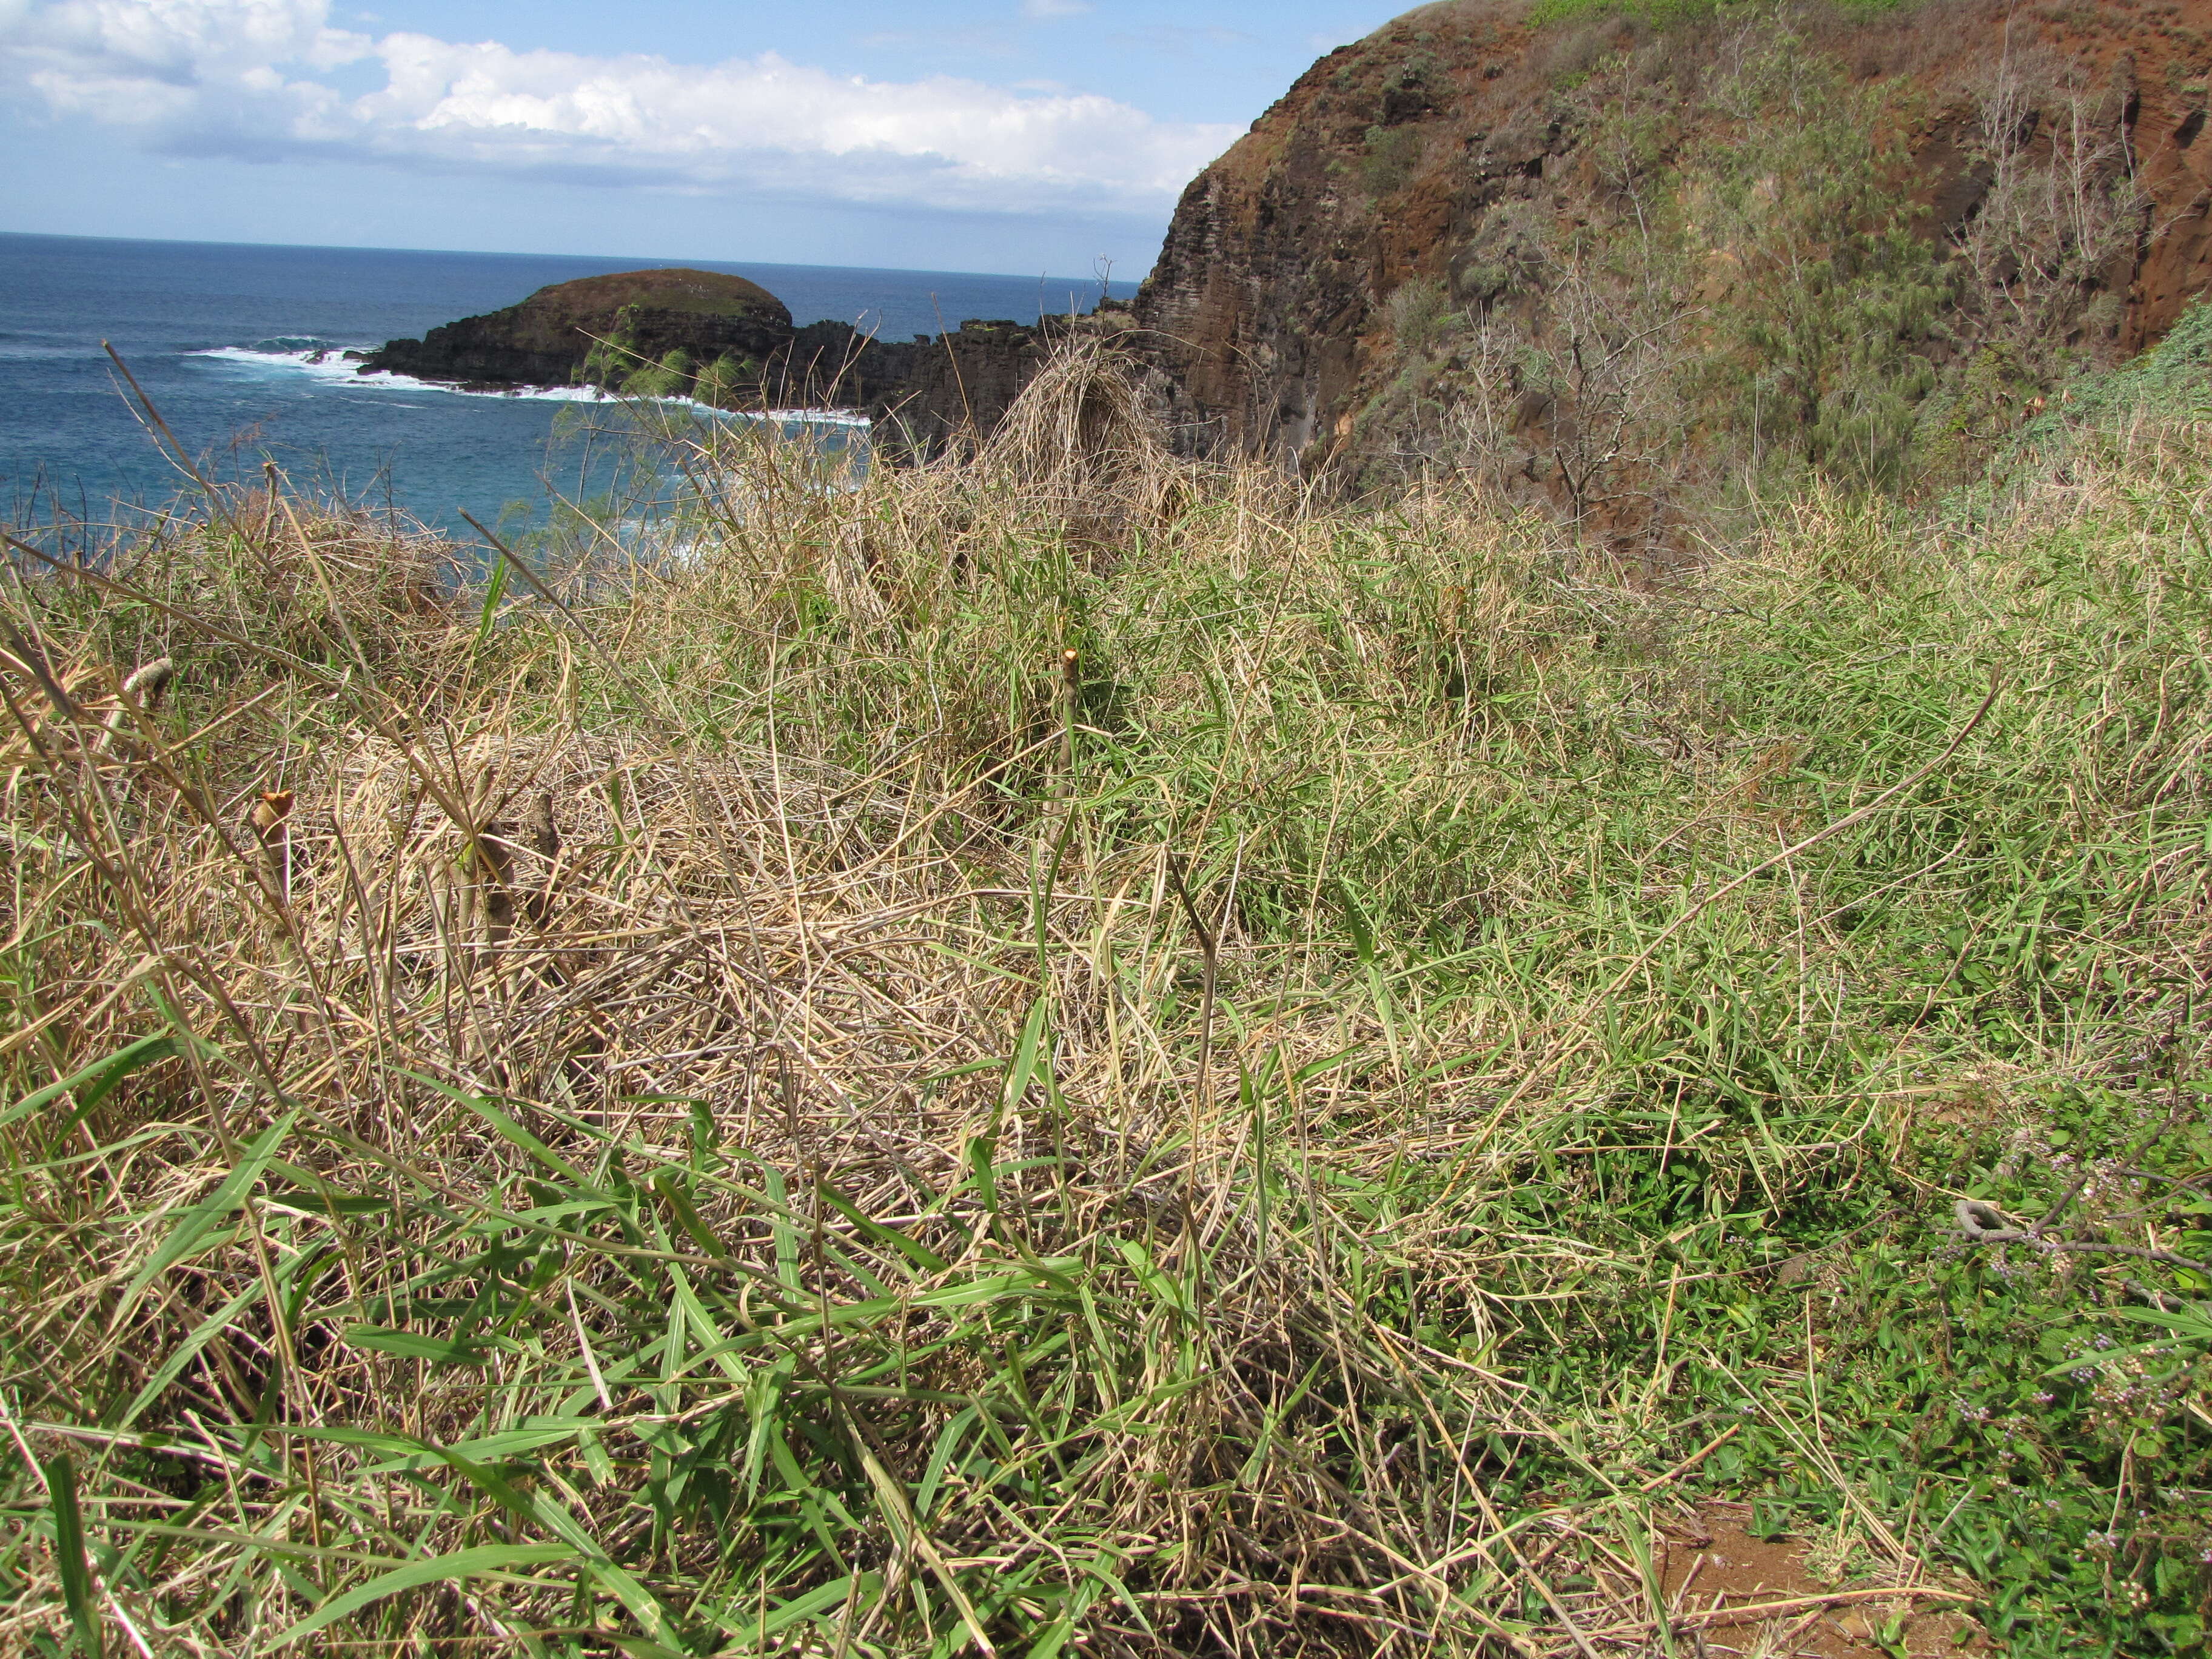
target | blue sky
[{"x": 1012, "y": 136}]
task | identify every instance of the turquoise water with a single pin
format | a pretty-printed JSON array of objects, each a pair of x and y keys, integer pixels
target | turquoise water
[{"x": 222, "y": 339}]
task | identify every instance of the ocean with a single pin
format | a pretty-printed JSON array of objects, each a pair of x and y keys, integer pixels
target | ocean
[{"x": 223, "y": 339}]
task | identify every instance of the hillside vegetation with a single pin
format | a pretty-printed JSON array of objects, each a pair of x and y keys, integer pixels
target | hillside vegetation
[
  {"x": 1636, "y": 261},
  {"x": 1079, "y": 1052},
  {"x": 1745, "y": 283}
]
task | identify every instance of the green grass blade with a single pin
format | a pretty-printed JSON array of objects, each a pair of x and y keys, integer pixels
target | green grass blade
[
  {"x": 194, "y": 1224},
  {"x": 94, "y": 1083},
  {"x": 68, "y": 1554},
  {"x": 454, "y": 1568},
  {"x": 206, "y": 1331},
  {"x": 507, "y": 1129}
]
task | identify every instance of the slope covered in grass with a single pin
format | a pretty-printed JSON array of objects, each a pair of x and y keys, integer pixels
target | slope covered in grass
[{"x": 744, "y": 1099}]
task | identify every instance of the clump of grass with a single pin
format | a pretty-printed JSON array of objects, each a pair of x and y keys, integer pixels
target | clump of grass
[
  {"x": 732, "y": 1102},
  {"x": 1080, "y": 445}
]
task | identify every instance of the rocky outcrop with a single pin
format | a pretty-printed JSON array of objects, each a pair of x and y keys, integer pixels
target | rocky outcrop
[
  {"x": 600, "y": 328},
  {"x": 738, "y": 348},
  {"x": 936, "y": 391},
  {"x": 1443, "y": 150},
  {"x": 833, "y": 365}
]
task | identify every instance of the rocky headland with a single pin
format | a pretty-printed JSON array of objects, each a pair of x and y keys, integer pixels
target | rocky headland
[{"x": 1429, "y": 220}]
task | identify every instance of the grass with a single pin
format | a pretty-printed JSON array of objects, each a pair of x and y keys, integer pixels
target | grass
[
  {"x": 1665, "y": 13},
  {"x": 718, "y": 1092}
]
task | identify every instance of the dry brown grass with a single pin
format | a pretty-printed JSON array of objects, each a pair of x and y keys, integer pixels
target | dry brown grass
[
  {"x": 724, "y": 1109},
  {"x": 401, "y": 920},
  {"x": 1080, "y": 444}
]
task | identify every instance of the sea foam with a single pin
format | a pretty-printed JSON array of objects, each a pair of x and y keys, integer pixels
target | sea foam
[{"x": 322, "y": 362}]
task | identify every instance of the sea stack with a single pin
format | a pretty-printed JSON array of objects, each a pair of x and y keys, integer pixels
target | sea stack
[{"x": 656, "y": 332}]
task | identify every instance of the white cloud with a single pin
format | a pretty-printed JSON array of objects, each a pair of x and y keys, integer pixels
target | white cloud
[
  {"x": 1054, "y": 8},
  {"x": 247, "y": 78}
]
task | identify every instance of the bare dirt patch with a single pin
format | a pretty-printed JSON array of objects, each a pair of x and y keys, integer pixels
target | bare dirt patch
[{"x": 1732, "y": 1593}]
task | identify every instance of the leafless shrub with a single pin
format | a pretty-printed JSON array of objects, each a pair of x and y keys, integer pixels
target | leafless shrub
[{"x": 2062, "y": 206}]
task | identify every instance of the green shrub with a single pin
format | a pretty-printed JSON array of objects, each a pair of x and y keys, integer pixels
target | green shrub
[
  {"x": 723, "y": 381},
  {"x": 1389, "y": 157},
  {"x": 1420, "y": 314},
  {"x": 669, "y": 378}
]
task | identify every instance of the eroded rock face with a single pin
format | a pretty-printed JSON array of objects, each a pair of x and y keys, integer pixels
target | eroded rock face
[
  {"x": 548, "y": 338},
  {"x": 936, "y": 391},
  {"x": 1426, "y": 151}
]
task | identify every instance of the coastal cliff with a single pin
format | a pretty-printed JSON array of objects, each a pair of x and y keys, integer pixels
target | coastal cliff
[
  {"x": 1602, "y": 261},
  {"x": 1434, "y": 220}
]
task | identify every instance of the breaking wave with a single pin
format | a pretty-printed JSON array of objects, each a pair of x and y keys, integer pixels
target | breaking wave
[{"x": 330, "y": 364}]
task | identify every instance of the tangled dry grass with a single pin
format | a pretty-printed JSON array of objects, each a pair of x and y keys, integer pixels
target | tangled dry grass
[
  {"x": 738, "y": 1102},
  {"x": 1081, "y": 444}
]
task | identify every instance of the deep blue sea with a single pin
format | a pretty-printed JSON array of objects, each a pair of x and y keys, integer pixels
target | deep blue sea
[{"x": 221, "y": 335}]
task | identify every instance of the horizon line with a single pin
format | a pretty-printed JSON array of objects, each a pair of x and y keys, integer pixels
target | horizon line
[{"x": 488, "y": 254}]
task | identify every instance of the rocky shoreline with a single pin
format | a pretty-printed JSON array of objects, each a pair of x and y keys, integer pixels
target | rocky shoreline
[{"x": 726, "y": 342}]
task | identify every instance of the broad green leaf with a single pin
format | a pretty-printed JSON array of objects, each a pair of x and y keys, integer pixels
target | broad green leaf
[
  {"x": 540, "y": 1508},
  {"x": 497, "y": 1448},
  {"x": 669, "y": 1187},
  {"x": 507, "y": 1129},
  {"x": 920, "y": 1255},
  {"x": 535, "y": 1507},
  {"x": 287, "y": 1268},
  {"x": 494, "y": 591},
  {"x": 96, "y": 1082},
  {"x": 69, "y": 1554},
  {"x": 413, "y": 1345},
  {"x": 780, "y": 1616},
  {"x": 1024, "y": 1067}
]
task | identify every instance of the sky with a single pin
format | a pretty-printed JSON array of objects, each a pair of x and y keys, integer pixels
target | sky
[{"x": 1013, "y": 136}]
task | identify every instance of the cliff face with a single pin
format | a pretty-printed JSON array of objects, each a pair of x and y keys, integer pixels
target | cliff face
[
  {"x": 550, "y": 337},
  {"x": 1452, "y": 168}
]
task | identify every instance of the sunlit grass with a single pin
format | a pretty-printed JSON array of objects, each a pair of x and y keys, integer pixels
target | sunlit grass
[{"x": 737, "y": 1102}]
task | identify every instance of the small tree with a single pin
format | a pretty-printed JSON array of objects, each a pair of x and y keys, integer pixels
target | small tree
[
  {"x": 607, "y": 364},
  {"x": 1606, "y": 369},
  {"x": 2058, "y": 221},
  {"x": 669, "y": 378},
  {"x": 720, "y": 382}
]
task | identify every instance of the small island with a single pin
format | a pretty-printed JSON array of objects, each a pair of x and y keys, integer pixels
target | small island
[
  {"x": 674, "y": 332},
  {"x": 723, "y": 341}
]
